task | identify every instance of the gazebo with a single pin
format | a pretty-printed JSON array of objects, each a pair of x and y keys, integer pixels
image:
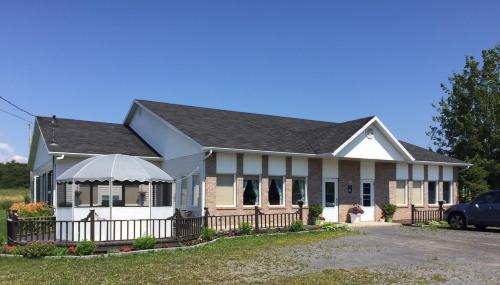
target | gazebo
[{"x": 116, "y": 188}]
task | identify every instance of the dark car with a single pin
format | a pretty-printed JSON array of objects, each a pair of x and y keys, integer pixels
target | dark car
[{"x": 482, "y": 212}]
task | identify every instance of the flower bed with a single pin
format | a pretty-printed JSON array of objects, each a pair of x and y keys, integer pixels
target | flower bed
[{"x": 88, "y": 249}]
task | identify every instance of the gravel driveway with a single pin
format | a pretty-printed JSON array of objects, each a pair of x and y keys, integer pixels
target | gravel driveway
[{"x": 462, "y": 257}]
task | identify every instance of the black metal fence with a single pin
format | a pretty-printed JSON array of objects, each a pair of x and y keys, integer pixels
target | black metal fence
[
  {"x": 422, "y": 216},
  {"x": 175, "y": 228}
]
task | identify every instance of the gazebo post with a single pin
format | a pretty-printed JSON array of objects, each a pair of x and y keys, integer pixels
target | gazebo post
[
  {"x": 111, "y": 233},
  {"x": 150, "y": 202},
  {"x": 73, "y": 185}
]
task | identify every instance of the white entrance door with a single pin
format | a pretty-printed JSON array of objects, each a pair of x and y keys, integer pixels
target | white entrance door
[
  {"x": 330, "y": 200},
  {"x": 367, "y": 200}
]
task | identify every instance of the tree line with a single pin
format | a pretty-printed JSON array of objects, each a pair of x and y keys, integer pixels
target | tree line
[{"x": 14, "y": 175}]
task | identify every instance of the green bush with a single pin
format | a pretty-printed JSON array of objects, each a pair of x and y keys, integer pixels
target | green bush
[
  {"x": 208, "y": 234},
  {"x": 246, "y": 228},
  {"x": 314, "y": 212},
  {"x": 5, "y": 204},
  {"x": 144, "y": 242},
  {"x": 85, "y": 247},
  {"x": 27, "y": 198},
  {"x": 60, "y": 251},
  {"x": 331, "y": 227},
  {"x": 297, "y": 226},
  {"x": 389, "y": 210},
  {"x": 38, "y": 249}
]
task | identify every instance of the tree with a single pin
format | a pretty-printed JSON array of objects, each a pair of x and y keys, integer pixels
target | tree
[
  {"x": 467, "y": 126},
  {"x": 14, "y": 175}
]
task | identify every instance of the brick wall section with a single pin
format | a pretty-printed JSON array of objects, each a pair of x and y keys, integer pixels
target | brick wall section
[
  {"x": 348, "y": 171},
  {"x": 314, "y": 181},
  {"x": 210, "y": 182},
  {"x": 264, "y": 184},
  {"x": 385, "y": 186}
]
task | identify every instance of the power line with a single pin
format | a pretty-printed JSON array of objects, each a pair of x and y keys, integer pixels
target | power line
[
  {"x": 17, "y": 107},
  {"x": 14, "y": 115}
]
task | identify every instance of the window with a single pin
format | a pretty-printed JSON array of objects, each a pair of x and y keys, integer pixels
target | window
[
  {"x": 330, "y": 194},
  {"x": 276, "y": 193},
  {"x": 49, "y": 187},
  {"x": 135, "y": 195},
  {"x": 401, "y": 197},
  {"x": 162, "y": 194},
  {"x": 184, "y": 191},
  {"x": 298, "y": 190},
  {"x": 64, "y": 195},
  {"x": 251, "y": 190},
  {"x": 195, "y": 190},
  {"x": 82, "y": 195},
  {"x": 432, "y": 193},
  {"x": 366, "y": 195},
  {"x": 225, "y": 191},
  {"x": 416, "y": 193},
  {"x": 447, "y": 192},
  {"x": 489, "y": 197}
]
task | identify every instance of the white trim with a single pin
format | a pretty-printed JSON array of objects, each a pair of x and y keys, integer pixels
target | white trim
[
  {"x": 372, "y": 195},
  {"x": 77, "y": 154},
  {"x": 441, "y": 163},
  {"x": 240, "y": 150},
  {"x": 336, "y": 190},
  {"x": 305, "y": 189},
  {"x": 384, "y": 129},
  {"x": 436, "y": 191}
]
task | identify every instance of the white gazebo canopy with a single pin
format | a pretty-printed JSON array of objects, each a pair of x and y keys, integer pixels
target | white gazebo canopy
[{"x": 114, "y": 167}]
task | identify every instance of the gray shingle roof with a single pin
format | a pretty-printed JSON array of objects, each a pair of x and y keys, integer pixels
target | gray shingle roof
[
  {"x": 75, "y": 136},
  {"x": 240, "y": 130}
]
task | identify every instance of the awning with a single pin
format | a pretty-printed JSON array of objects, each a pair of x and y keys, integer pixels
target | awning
[{"x": 115, "y": 167}]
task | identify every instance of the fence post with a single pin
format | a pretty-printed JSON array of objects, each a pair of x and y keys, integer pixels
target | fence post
[
  {"x": 205, "y": 217},
  {"x": 177, "y": 223},
  {"x": 92, "y": 224},
  {"x": 256, "y": 219},
  {"x": 12, "y": 226},
  {"x": 441, "y": 210},
  {"x": 412, "y": 214},
  {"x": 301, "y": 210}
]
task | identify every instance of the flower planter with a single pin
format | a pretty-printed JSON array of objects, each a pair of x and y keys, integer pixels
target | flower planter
[{"x": 355, "y": 218}]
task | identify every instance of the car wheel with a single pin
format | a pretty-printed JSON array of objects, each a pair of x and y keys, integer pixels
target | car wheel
[
  {"x": 480, "y": 227},
  {"x": 457, "y": 221}
]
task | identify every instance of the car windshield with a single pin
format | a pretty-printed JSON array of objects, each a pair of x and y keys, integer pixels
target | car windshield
[{"x": 488, "y": 198}]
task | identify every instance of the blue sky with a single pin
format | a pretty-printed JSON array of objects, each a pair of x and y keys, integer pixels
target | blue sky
[{"x": 322, "y": 60}]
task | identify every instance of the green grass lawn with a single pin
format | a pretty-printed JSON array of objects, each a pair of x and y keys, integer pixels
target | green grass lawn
[
  {"x": 14, "y": 195},
  {"x": 253, "y": 259}
]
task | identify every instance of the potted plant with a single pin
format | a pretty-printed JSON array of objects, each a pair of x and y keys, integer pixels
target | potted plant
[
  {"x": 389, "y": 210},
  {"x": 355, "y": 213},
  {"x": 314, "y": 212}
]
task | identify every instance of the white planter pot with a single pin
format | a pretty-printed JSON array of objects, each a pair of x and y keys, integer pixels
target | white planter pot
[{"x": 355, "y": 218}]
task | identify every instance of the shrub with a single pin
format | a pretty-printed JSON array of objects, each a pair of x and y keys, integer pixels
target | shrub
[
  {"x": 297, "y": 226},
  {"x": 60, "y": 251},
  {"x": 314, "y": 212},
  {"x": 6, "y": 204},
  {"x": 39, "y": 209},
  {"x": 145, "y": 242},
  {"x": 208, "y": 234},
  {"x": 38, "y": 249},
  {"x": 389, "y": 210},
  {"x": 27, "y": 198},
  {"x": 85, "y": 247},
  {"x": 245, "y": 228},
  {"x": 331, "y": 227}
]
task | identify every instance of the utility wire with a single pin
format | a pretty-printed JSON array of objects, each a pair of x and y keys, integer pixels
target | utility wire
[
  {"x": 17, "y": 107},
  {"x": 14, "y": 115}
]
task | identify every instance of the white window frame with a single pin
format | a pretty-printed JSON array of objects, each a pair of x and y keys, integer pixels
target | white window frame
[
  {"x": 335, "y": 190},
  {"x": 421, "y": 191},
  {"x": 260, "y": 190},
  {"x": 234, "y": 191},
  {"x": 436, "y": 191},
  {"x": 406, "y": 193},
  {"x": 305, "y": 190},
  {"x": 283, "y": 178},
  {"x": 191, "y": 192},
  {"x": 451, "y": 192}
]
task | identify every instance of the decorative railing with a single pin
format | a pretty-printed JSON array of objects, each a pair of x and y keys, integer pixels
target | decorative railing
[{"x": 422, "y": 216}]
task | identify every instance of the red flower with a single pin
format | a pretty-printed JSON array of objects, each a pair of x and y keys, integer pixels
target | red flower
[
  {"x": 322, "y": 218},
  {"x": 72, "y": 249},
  {"x": 10, "y": 247},
  {"x": 126, "y": 249}
]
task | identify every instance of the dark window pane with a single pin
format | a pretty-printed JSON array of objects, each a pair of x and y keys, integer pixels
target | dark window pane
[
  {"x": 251, "y": 191},
  {"x": 367, "y": 201},
  {"x": 276, "y": 191},
  {"x": 298, "y": 190},
  {"x": 431, "y": 197},
  {"x": 162, "y": 195},
  {"x": 329, "y": 194},
  {"x": 486, "y": 198},
  {"x": 366, "y": 189},
  {"x": 447, "y": 192}
]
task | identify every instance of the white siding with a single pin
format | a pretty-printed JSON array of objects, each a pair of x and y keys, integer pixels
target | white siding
[
  {"x": 42, "y": 157},
  {"x": 402, "y": 171},
  {"x": 330, "y": 168},
  {"x": 378, "y": 147},
  {"x": 252, "y": 164},
  {"x": 418, "y": 172},
  {"x": 166, "y": 140},
  {"x": 447, "y": 173},
  {"x": 226, "y": 163},
  {"x": 299, "y": 166},
  {"x": 433, "y": 173},
  {"x": 277, "y": 165},
  {"x": 367, "y": 170}
]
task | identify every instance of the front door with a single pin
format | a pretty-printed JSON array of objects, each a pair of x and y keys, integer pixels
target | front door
[
  {"x": 330, "y": 200},
  {"x": 367, "y": 201}
]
